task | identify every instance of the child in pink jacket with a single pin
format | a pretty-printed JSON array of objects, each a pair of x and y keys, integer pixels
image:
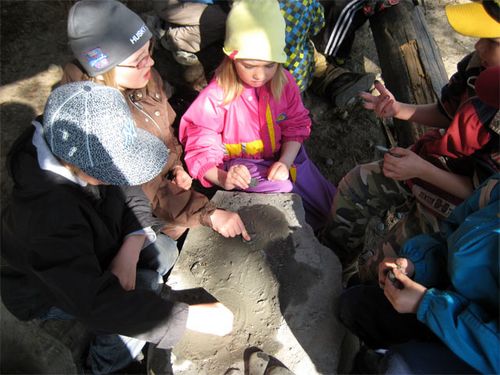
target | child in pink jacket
[{"x": 246, "y": 128}]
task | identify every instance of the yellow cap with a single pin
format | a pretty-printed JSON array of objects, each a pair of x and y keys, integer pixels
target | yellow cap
[
  {"x": 255, "y": 30},
  {"x": 478, "y": 19}
]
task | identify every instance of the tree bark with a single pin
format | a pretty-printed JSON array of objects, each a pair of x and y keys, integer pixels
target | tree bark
[{"x": 411, "y": 64}]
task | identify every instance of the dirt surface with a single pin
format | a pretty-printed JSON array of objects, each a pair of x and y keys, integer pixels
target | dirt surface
[{"x": 34, "y": 47}]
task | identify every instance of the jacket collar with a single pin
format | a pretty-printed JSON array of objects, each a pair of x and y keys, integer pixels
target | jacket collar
[
  {"x": 152, "y": 90},
  {"x": 46, "y": 159}
]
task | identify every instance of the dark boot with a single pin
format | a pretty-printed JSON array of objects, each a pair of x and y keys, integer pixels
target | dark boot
[
  {"x": 340, "y": 85},
  {"x": 348, "y": 86}
]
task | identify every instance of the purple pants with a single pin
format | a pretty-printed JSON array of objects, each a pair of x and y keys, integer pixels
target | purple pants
[{"x": 315, "y": 190}]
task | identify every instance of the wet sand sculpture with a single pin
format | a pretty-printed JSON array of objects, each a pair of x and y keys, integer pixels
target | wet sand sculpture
[{"x": 282, "y": 288}]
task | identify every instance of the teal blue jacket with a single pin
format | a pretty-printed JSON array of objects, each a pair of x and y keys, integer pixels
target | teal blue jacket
[{"x": 460, "y": 268}]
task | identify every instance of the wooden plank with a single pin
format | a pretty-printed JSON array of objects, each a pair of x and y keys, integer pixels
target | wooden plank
[
  {"x": 419, "y": 81},
  {"x": 411, "y": 64}
]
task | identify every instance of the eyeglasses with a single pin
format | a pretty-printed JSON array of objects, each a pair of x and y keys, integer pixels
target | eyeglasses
[{"x": 144, "y": 61}]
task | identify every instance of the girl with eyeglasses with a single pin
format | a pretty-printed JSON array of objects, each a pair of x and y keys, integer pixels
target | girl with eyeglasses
[{"x": 113, "y": 46}]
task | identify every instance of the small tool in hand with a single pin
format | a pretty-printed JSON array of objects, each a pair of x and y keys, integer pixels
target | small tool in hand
[
  {"x": 382, "y": 148},
  {"x": 385, "y": 150}
]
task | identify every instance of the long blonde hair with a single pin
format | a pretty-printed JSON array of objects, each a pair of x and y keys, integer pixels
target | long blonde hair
[
  {"x": 108, "y": 79},
  {"x": 231, "y": 84}
]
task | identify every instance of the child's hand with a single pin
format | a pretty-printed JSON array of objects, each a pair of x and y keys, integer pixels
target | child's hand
[
  {"x": 407, "y": 299},
  {"x": 122, "y": 268},
  {"x": 182, "y": 178},
  {"x": 385, "y": 266},
  {"x": 237, "y": 176},
  {"x": 403, "y": 164},
  {"x": 124, "y": 264},
  {"x": 405, "y": 265},
  {"x": 229, "y": 224},
  {"x": 384, "y": 105},
  {"x": 212, "y": 318},
  {"x": 278, "y": 172}
]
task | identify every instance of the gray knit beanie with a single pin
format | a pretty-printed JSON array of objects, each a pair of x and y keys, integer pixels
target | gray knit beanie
[
  {"x": 103, "y": 33},
  {"x": 90, "y": 126}
]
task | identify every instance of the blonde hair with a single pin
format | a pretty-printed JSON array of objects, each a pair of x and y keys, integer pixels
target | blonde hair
[
  {"x": 228, "y": 80},
  {"x": 106, "y": 79}
]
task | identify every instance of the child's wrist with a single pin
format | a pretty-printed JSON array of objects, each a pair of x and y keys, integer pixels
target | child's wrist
[
  {"x": 287, "y": 163},
  {"x": 424, "y": 170},
  {"x": 177, "y": 168},
  {"x": 405, "y": 111},
  {"x": 222, "y": 177}
]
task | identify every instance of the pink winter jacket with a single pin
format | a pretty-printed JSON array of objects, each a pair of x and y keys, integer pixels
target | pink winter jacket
[{"x": 253, "y": 126}]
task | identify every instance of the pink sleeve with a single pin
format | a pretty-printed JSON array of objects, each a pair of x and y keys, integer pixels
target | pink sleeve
[
  {"x": 200, "y": 132},
  {"x": 297, "y": 126}
]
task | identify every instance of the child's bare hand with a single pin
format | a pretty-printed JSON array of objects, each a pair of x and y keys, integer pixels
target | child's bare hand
[
  {"x": 384, "y": 105},
  {"x": 124, "y": 264},
  {"x": 406, "y": 299},
  {"x": 228, "y": 224},
  {"x": 278, "y": 172},
  {"x": 124, "y": 270},
  {"x": 385, "y": 266},
  {"x": 403, "y": 164},
  {"x": 212, "y": 318},
  {"x": 182, "y": 178},
  {"x": 403, "y": 264},
  {"x": 237, "y": 176}
]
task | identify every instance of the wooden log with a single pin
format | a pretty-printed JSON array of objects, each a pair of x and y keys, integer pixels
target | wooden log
[{"x": 411, "y": 64}]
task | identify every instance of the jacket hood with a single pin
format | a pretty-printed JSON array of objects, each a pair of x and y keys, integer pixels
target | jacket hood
[{"x": 23, "y": 168}]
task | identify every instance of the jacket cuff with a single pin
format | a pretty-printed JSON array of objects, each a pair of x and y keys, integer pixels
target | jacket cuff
[
  {"x": 208, "y": 210},
  {"x": 201, "y": 173},
  {"x": 294, "y": 139},
  {"x": 176, "y": 326},
  {"x": 424, "y": 305}
]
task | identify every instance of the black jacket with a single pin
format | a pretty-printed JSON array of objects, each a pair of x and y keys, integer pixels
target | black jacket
[{"x": 58, "y": 240}]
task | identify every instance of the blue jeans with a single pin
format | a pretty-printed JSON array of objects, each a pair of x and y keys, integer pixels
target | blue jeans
[{"x": 109, "y": 353}]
